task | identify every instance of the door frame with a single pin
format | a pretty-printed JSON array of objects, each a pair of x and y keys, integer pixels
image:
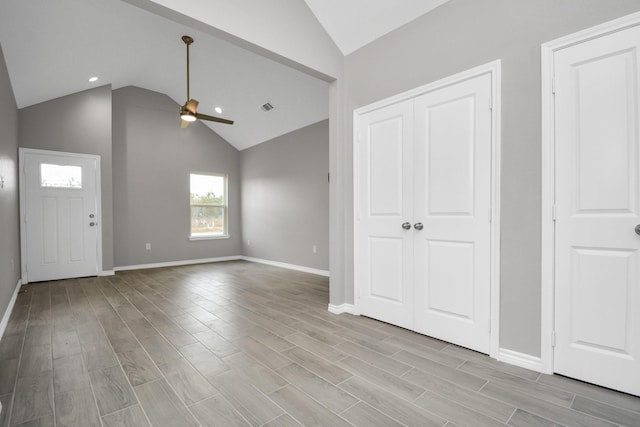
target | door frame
[
  {"x": 22, "y": 152},
  {"x": 494, "y": 70},
  {"x": 547, "y": 269}
]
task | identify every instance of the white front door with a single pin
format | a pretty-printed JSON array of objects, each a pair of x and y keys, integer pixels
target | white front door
[
  {"x": 60, "y": 221},
  {"x": 597, "y": 248},
  {"x": 452, "y": 201},
  {"x": 384, "y": 254}
]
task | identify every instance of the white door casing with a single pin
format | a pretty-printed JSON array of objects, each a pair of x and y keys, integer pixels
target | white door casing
[
  {"x": 482, "y": 105},
  {"x": 60, "y": 224},
  {"x": 385, "y": 259},
  {"x": 597, "y": 273},
  {"x": 453, "y": 200}
]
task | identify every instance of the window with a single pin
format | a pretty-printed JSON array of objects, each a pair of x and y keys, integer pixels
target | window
[
  {"x": 208, "y": 200},
  {"x": 59, "y": 176}
]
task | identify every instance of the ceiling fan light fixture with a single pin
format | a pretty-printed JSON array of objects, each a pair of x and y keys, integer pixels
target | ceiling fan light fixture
[{"x": 187, "y": 115}]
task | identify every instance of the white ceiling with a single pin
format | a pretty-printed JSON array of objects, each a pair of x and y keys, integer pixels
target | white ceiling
[
  {"x": 53, "y": 47},
  {"x": 356, "y": 23}
]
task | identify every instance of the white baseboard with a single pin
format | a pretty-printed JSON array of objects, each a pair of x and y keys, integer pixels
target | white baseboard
[
  {"x": 9, "y": 310},
  {"x": 343, "y": 308},
  {"x": 107, "y": 273},
  {"x": 220, "y": 259},
  {"x": 287, "y": 266},
  {"x": 177, "y": 263},
  {"x": 520, "y": 359}
]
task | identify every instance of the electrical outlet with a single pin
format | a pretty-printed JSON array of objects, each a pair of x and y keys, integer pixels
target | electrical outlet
[
  {"x": 147, "y": 246},
  {"x": 315, "y": 249},
  {"x": 13, "y": 266},
  {"x": 248, "y": 242}
]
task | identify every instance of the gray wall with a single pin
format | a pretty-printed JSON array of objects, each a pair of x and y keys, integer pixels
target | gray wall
[
  {"x": 285, "y": 198},
  {"x": 457, "y": 36},
  {"x": 78, "y": 123},
  {"x": 152, "y": 160},
  {"x": 9, "y": 205}
]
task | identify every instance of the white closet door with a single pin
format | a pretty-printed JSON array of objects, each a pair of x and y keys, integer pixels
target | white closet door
[
  {"x": 597, "y": 267},
  {"x": 384, "y": 250},
  {"x": 452, "y": 201}
]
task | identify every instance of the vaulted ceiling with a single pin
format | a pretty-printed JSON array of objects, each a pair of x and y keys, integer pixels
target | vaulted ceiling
[
  {"x": 353, "y": 24},
  {"x": 52, "y": 48}
]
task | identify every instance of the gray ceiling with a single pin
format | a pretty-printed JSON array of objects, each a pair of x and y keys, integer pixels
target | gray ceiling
[
  {"x": 355, "y": 23},
  {"x": 53, "y": 47}
]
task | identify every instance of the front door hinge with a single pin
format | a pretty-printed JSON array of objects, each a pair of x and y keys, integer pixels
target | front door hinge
[
  {"x": 553, "y": 212},
  {"x": 491, "y": 103},
  {"x": 553, "y": 85}
]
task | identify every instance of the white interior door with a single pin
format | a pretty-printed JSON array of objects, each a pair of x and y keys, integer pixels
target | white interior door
[
  {"x": 384, "y": 254},
  {"x": 59, "y": 201},
  {"x": 597, "y": 276},
  {"x": 452, "y": 201}
]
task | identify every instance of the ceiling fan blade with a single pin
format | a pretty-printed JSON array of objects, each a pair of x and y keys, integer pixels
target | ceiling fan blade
[
  {"x": 213, "y": 119},
  {"x": 184, "y": 124},
  {"x": 192, "y": 105}
]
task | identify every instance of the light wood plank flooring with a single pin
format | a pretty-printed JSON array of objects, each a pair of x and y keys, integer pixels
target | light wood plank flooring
[{"x": 237, "y": 344}]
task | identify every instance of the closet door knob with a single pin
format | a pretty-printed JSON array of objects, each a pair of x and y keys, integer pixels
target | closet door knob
[
  {"x": 406, "y": 225},
  {"x": 418, "y": 226}
]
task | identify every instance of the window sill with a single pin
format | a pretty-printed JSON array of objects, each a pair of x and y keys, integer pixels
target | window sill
[{"x": 219, "y": 237}]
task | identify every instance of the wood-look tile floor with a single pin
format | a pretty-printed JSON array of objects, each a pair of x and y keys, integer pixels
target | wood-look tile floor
[{"x": 237, "y": 344}]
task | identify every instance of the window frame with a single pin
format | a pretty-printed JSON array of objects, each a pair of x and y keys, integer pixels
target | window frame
[{"x": 224, "y": 206}]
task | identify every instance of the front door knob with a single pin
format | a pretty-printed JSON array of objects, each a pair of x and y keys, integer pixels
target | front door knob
[
  {"x": 418, "y": 226},
  {"x": 406, "y": 225},
  {"x": 638, "y": 229}
]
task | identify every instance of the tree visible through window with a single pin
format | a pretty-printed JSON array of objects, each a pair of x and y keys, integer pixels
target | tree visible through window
[{"x": 208, "y": 200}]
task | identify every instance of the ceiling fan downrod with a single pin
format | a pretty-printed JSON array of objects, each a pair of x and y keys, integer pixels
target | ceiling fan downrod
[{"x": 187, "y": 40}]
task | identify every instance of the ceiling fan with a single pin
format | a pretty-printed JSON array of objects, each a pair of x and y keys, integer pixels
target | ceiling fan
[{"x": 189, "y": 111}]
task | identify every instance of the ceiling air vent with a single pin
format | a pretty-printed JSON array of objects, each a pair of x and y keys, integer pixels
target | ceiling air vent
[{"x": 267, "y": 107}]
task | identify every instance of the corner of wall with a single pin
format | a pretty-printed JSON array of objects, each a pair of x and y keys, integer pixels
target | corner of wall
[{"x": 9, "y": 204}]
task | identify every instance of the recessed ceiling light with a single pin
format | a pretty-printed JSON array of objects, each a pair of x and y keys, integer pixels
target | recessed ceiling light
[
  {"x": 93, "y": 79},
  {"x": 218, "y": 110}
]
